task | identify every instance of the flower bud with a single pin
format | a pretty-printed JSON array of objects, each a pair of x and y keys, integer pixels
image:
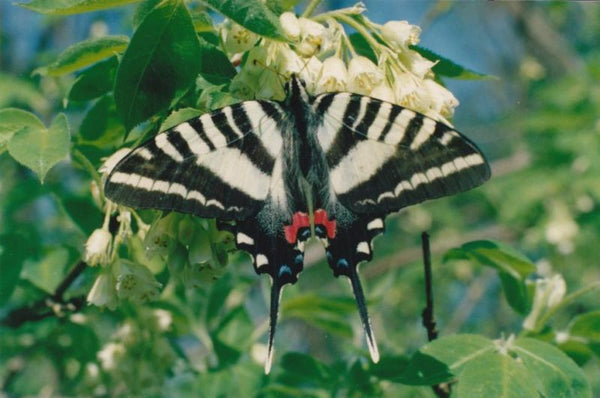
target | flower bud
[
  {"x": 401, "y": 33},
  {"x": 290, "y": 25},
  {"x": 443, "y": 101},
  {"x": 97, "y": 247},
  {"x": 334, "y": 76},
  {"x": 363, "y": 75},
  {"x": 549, "y": 292},
  {"x": 136, "y": 283},
  {"x": 103, "y": 293}
]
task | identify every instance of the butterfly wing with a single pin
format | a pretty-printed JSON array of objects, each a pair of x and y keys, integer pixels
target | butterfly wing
[
  {"x": 216, "y": 165},
  {"x": 383, "y": 157}
]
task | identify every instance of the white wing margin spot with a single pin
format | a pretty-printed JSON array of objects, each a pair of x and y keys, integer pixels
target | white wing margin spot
[{"x": 428, "y": 176}]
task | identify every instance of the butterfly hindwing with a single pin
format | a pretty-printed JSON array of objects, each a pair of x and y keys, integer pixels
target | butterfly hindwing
[
  {"x": 217, "y": 165},
  {"x": 383, "y": 157}
]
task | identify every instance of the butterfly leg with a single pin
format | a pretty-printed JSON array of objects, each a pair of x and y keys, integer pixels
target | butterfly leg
[{"x": 350, "y": 246}]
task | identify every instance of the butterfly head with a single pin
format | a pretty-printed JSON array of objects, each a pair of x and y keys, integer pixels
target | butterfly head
[{"x": 295, "y": 89}]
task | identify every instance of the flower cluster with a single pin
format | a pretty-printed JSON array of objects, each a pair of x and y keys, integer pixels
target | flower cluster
[{"x": 322, "y": 54}]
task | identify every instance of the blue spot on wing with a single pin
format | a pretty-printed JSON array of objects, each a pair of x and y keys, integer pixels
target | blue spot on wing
[
  {"x": 285, "y": 270},
  {"x": 342, "y": 262}
]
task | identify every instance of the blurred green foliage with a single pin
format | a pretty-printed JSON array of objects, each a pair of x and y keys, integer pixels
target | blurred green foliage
[{"x": 204, "y": 335}]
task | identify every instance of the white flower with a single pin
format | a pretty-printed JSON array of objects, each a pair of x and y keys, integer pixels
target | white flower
[
  {"x": 401, "y": 33},
  {"x": 290, "y": 25},
  {"x": 561, "y": 229},
  {"x": 164, "y": 319},
  {"x": 112, "y": 161},
  {"x": 406, "y": 87},
  {"x": 161, "y": 237},
  {"x": 97, "y": 247},
  {"x": 311, "y": 34},
  {"x": 418, "y": 64},
  {"x": 443, "y": 101},
  {"x": 384, "y": 93},
  {"x": 110, "y": 355},
  {"x": 239, "y": 39},
  {"x": 256, "y": 61},
  {"x": 136, "y": 283},
  {"x": 549, "y": 292},
  {"x": 103, "y": 292},
  {"x": 363, "y": 75},
  {"x": 333, "y": 77},
  {"x": 200, "y": 274}
]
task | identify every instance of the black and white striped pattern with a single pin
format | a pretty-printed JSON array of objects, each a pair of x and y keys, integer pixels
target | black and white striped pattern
[
  {"x": 217, "y": 165},
  {"x": 383, "y": 157},
  {"x": 264, "y": 165}
]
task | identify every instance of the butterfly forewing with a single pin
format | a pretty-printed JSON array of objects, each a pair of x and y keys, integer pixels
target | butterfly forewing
[
  {"x": 383, "y": 157},
  {"x": 217, "y": 165}
]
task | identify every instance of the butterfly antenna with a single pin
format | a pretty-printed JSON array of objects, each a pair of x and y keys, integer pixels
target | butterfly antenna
[
  {"x": 275, "y": 296},
  {"x": 364, "y": 315}
]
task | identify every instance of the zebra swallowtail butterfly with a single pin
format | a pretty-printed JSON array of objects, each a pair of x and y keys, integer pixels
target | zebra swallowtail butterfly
[{"x": 330, "y": 166}]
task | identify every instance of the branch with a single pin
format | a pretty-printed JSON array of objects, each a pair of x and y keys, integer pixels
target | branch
[
  {"x": 442, "y": 390},
  {"x": 51, "y": 305}
]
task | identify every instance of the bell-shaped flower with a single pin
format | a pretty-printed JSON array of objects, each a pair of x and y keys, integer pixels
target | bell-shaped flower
[
  {"x": 383, "y": 92},
  {"x": 136, "y": 283},
  {"x": 443, "y": 102},
  {"x": 333, "y": 77},
  {"x": 363, "y": 75},
  {"x": 104, "y": 293},
  {"x": 311, "y": 34},
  {"x": 400, "y": 33},
  {"x": 97, "y": 247},
  {"x": 239, "y": 39}
]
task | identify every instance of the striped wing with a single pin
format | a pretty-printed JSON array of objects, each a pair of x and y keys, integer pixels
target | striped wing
[
  {"x": 217, "y": 165},
  {"x": 383, "y": 157}
]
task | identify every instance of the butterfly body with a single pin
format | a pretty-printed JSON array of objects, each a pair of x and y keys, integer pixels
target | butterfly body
[{"x": 275, "y": 174}]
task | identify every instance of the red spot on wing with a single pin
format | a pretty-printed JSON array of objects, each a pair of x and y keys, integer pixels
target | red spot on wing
[
  {"x": 321, "y": 218},
  {"x": 299, "y": 220}
]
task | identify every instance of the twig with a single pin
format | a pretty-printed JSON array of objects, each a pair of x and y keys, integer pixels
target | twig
[
  {"x": 442, "y": 390},
  {"x": 427, "y": 314},
  {"x": 51, "y": 305}
]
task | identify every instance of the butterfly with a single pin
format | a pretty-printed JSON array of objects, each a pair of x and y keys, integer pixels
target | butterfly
[{"x": 275, "y": 174}]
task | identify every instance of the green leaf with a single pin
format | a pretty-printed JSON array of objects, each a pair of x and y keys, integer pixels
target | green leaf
[
  {"x": 68, "y": 7},
  {"x": 362, "y": 47},
  {"x": 214, "y": 64},
  {"x": 83, "y": 54},
  {"x": 253, "y": 15},
  {"x": 49, "y": 271},
  {"x": 40, "y": 149},
  {"x": 326, "y": 313},
  {"x": 13, "y": 120},
  {"x": 179, "y": 116},
  {"x": 159, "y": 65},
  {"x": 302, "y": 368},
  {"x": 516, "y": 293},
  {"x": 83, "y": 212},
  {"x": 556, "y": 373},
  {"x": 496, "y": 375},
  {"x": 496, "y": 255},
  {"x": 95, "y": 81},
  {"x": 101, "y": 121},
  {"x": 13, "y": 253},
  {"x": 448, "y": 68},
  {"x": 444, "y": 358},
  {"x": 389, "y": 367},
  {"x": 15, "y": 91}
]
